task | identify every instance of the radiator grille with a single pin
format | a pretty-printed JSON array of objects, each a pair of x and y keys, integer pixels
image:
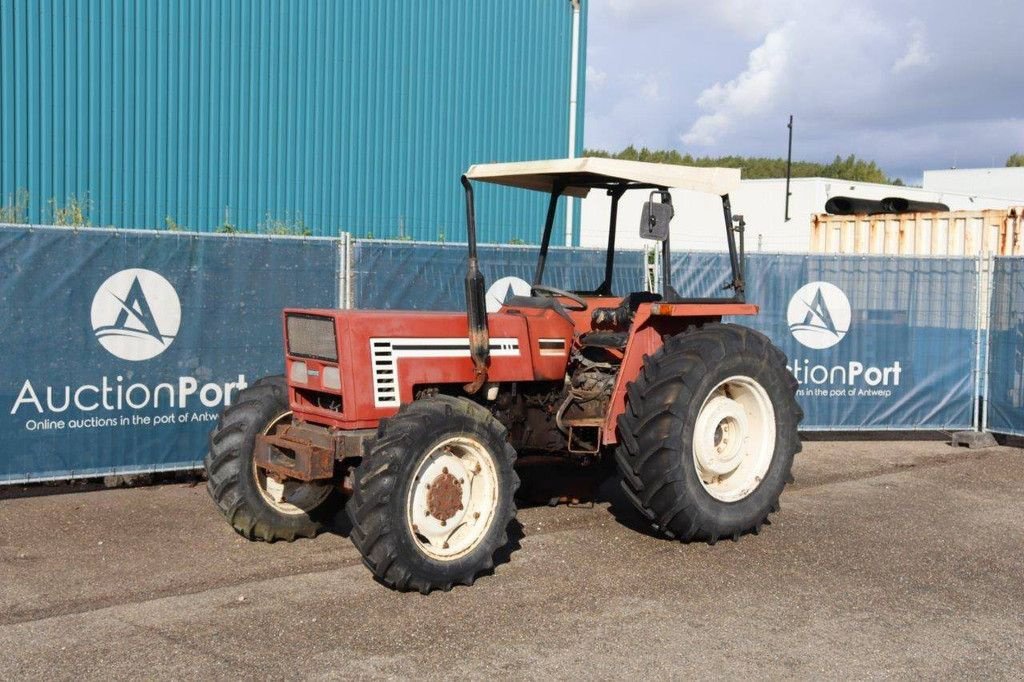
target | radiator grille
[{"x": 310, "y": 336}]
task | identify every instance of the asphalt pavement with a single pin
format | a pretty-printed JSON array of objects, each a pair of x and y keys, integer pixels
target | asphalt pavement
[{"x": 888, "y": 559}]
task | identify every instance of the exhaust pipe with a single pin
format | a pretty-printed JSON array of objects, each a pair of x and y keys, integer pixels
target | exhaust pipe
[
  {"x": 857, "y": 206},
  {"x": 901, "y": 205},
  {"x": 853, "y": 206},
  {"x": 476, "y": 303}
]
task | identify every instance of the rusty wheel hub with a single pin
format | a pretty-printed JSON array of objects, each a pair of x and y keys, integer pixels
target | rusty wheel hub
[
  {"x": 453, "y": 498},
  {"x": 444, "y": 496}
]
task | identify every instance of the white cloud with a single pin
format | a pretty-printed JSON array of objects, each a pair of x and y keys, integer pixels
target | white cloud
[
  {"x": 649, "y": 86},
  {"x": 825, "y": 60},
  {"x": 895, "y": 82},
  {"x": 917, "y": 53},
  {"x": 752, "y": 90},
  {"x": 752, "y": 18}
]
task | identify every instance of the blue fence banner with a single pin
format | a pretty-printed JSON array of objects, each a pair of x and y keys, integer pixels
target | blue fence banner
[
  {"x": 1005, "y": 404},
  {"x": 875, "y": 342},
  {"x": 429, "y": 276},
  {"x": 120, "y": 348}
]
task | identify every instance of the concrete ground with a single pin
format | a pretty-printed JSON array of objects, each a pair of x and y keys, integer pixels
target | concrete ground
[{"x": 894, "y": 559}]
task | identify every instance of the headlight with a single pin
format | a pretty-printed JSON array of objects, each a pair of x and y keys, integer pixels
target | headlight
[
  {"x": 311, "y": 336},
  {"x": 298, "y": 372},
  {"x": 331, "y": 378}
]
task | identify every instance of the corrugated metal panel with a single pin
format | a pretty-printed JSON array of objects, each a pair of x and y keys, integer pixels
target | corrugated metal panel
[
  {"x": 337, "y": 116},
  {"x": 943, "y": 233}
]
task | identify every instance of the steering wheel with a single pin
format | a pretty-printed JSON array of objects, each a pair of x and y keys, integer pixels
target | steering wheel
[{"x": 559, "y": 293}]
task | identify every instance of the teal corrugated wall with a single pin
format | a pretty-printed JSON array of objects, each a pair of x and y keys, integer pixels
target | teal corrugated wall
[{"x": 316, "y": 115}]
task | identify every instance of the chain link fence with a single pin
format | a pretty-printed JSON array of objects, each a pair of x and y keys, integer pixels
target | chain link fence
[
  {"x": 1004, "y": 335},
  {"x": 876, "y": 342},
  {"x": 121, "y": 347}
]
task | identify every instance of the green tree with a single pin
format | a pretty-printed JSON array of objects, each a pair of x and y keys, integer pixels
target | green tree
[
  {"x": 758, "y": 167},
  {"x": 1015, "y": 160}
]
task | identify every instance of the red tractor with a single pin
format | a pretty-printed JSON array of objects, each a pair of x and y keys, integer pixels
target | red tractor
[{"x": 417, "y": 418}]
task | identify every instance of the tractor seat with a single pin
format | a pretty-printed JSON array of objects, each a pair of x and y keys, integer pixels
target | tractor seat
[
  {"x": 621, "y": 316},
  {"x": 538, "y": 302},
  {"x": 604, "y": 339}
]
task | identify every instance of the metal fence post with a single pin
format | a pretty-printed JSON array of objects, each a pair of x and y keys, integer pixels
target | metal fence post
[
  {"x": 344, "y": 271},
  {"x": 981, "y": 302},
  {"x": 989, "y": 290},
  {"x": 350, "y": 271},
  {"x": 652, "y": 263}
]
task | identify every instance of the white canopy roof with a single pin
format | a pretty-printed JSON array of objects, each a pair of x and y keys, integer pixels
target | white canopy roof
[{"x": 584, "y": 172}]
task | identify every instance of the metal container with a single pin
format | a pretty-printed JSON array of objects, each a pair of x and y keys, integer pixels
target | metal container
[{"x": 948, "y": 233}]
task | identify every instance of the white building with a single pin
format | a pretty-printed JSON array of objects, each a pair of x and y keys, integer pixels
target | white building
[
  {"x": 699, "y": 222},
  {"x": 993, "y": 182}
]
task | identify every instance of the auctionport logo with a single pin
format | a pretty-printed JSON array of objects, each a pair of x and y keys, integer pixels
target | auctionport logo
[
  {"x": 136, "y": 314},
  {"x": 819, "y": 318},
  {"x": 819, "y": 315},
  {"x": 502, "y": 288}
]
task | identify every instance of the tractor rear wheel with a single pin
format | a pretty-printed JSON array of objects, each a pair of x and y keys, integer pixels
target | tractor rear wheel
[
  {"x": 709, "y": 433},
  {"x": 433, "y": 498},
  {"x": 256, "y": 505}
]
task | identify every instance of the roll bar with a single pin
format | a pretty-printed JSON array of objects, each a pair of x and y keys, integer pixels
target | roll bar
[{"x": 476, "y": 309}]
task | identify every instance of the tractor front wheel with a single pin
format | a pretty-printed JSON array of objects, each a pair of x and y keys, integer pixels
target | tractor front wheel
[
  {"x": 709, "y": 433},
  {"x": 256, "y": 505},
  {"x": 433, "y": 497}
]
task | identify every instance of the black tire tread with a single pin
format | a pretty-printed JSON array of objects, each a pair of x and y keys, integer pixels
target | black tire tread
[
  {"x": 227, "y": 461},
  {"x": 651, "y": 471},
  {"x": 378, "y": 477}
]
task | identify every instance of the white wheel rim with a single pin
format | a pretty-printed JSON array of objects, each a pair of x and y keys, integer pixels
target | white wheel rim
[
  {"x": 734, "y": 438},
  {"x": 453, "y": 498},
  {"x": 292, "y": 497}
]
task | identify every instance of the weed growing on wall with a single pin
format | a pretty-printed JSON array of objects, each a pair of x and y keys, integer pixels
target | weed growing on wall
[
  {"x": 289, "y": 225},
  {"x": 172, "y": 225},
  {"x": 15, "y": 208},
  {"x": 226, "y": 226},
  {"x": 73, "y": 213}
]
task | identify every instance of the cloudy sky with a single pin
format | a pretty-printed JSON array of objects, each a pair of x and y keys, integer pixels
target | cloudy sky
[{"x": 912, "y": 84}]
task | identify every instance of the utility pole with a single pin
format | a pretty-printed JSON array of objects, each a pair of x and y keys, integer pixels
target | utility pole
[{"x": 789, "y": 164}]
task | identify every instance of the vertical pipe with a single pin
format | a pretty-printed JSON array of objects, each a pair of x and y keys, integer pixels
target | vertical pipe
[
  {"x": 652, "y": 269},
  {"x": 980, "y": 300},
  {"x": 341, "y": 254},
  {"x": 350, "y": 274},
  {"x": 609, "y": 258},
  {"x": 989, "y": 264},
  {"x": 470, "y": 219},
  {"x": 476, "y": 312},
  {"x": 789, "y": 163},
  {"x": 730, "y": 238},
  {"x": 667, "y": 291},
  {"x": 549, "y": 222},
  {"x": 574, "y": 67},
  {"x": 741, "y": 230}
]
